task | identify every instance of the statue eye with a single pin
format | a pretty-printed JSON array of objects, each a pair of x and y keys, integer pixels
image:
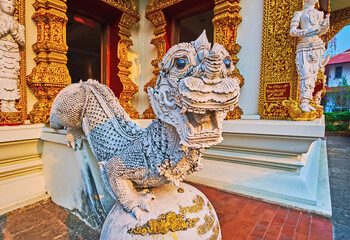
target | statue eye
[
  {"x": 180, "y": 63},
  {"x": 227, "y": 63}
]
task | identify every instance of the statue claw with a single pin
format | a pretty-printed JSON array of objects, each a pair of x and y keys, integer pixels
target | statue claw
[
  {"x": 136, "y": 212},
  {"x": 145, "y": 200}
]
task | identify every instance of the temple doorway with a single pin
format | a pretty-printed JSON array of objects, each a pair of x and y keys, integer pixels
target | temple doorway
[
  {"x": 92, "y": 39},
  {"x": 84, "y": 52}
]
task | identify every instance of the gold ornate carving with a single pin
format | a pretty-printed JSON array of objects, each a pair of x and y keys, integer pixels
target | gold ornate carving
[
  {"x": 296, "y": 114},
  {"x": 129, "y": 87},
  {"x": 155, "y": 5},
  {"x": 50, "y": 75},
  {"x": 198, "y": 206},
  {"x": 124, "y": 5},
  {"x": 17, "y": 118},
  {"x": 278, "y": 68},
  {"x": 339, "y": 19},
  {"x": 225, "y": 22},
  {"x": 165, "y": 223}
]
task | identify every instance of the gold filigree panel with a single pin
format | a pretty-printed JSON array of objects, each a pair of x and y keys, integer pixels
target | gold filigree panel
[
  {"x": 17, "y": 118},
  {"x": 278, "y": 76}
]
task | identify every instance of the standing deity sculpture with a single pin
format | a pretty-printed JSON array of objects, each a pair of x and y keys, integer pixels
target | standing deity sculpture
[
  {"x": 12, "y": 36},
  {"x": 309, "y": 24}
]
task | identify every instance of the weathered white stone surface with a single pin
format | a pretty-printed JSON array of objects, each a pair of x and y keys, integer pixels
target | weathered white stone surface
[{"x": 118, "y": 223}]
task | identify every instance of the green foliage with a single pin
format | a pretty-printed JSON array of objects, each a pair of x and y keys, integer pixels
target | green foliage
[
  {"x": 337, "y": 121},
  {"x": 343, "y": 82}
]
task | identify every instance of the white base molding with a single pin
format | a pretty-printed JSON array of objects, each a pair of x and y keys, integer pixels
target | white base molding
[
  {"x": 21, "y": 178},
  {"x": 289, "y": 168}
]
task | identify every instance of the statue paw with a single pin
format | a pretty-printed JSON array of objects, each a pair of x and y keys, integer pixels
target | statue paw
[{"x": 74, "y": 143}]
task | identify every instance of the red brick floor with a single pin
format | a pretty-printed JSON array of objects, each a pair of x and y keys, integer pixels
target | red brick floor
[
  {"x": 243, "y": 218},
  {"x": 240, "y": 218}
]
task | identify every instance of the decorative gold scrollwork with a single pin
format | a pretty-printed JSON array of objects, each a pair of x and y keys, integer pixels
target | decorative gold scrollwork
[
  {"x": 198, "y": 206},
  {"x": 165, "y": 223}
]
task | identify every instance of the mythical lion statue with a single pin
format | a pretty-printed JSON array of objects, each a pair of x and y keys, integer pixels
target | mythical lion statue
[{"x": 192, "y": 96}]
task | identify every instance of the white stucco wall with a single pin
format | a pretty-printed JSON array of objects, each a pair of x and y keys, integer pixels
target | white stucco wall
[
  {"x": 249, "y": 36},
  {"x": 141, "y": 54},
  {"x": 334, "y": 82}
]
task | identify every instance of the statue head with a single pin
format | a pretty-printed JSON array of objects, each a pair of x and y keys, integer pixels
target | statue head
[
  {"x": 8, "y": 6},
  {"x": 195, "y": 90},
  {"x": 311, "y": 2}
]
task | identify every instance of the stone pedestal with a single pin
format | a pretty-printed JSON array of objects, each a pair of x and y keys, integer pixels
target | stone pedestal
[{"x": 176, "y": 213}]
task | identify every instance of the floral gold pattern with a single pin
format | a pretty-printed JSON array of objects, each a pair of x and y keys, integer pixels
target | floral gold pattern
[
  {"x": 198, "y": 206},
  {"x": 50, "y": 75},
  {"x": 278, "y": 57},
  {"x": 166, "y": 222},
  {"x": 17, "y": 118},
  {"x": 226, "y": 20}
]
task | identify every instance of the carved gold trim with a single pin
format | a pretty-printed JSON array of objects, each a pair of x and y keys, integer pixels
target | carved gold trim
[
  {"x": 17, "y": 118},
  {"x": 129, "y": 87},
  {"x": 278, "y": 68},
  {"x": 339, "y": 19},
  {"x": 50, "y": 75},
  {"x": 226, "y": 20}
]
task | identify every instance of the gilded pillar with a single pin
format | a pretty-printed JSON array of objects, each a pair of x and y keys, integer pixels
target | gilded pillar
[
  {"x": 129, "y": 87},
  {"x": 50, "y": 75},
  {"x": 225, "y": 22},
  {"x": 158, "y": 21}
]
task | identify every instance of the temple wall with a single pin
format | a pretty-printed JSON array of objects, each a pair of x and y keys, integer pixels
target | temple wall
[
  {"x": 30, "y": 54},
  {"x": 249, "y": 36}
]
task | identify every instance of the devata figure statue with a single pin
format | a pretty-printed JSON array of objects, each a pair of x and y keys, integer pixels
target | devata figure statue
[
  {"x": 11, "y": 37},
  {"x": 309, "y": 24}
]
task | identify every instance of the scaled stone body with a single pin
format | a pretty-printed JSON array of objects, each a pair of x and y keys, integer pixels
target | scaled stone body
[
  {"x": 11, "y": 38},
  {"x": 192, "y": 96},
  {"x": 309, "y": 24}
]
